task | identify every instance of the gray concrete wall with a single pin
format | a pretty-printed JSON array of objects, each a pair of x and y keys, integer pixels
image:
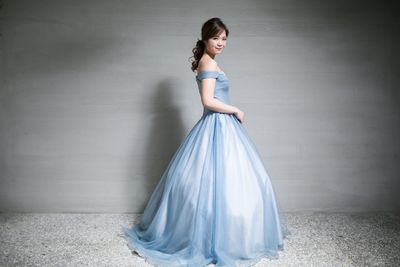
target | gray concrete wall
[{"x": 97, "y": 95}]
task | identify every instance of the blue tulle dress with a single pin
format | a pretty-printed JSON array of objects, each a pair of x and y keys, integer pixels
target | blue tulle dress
[{"x": 214, "y": 203}]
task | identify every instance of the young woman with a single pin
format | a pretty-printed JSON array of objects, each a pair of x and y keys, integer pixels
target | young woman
[{"x": 214, "y": 203}]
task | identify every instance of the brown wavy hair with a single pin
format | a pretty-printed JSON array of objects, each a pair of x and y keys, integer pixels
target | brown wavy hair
[{"x": 210, "y": 28}]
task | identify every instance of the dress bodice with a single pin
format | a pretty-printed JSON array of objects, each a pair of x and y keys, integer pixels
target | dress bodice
[{"x": 221, "y": 91}]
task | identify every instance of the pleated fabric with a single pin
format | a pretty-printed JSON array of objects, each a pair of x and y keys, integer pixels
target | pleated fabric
[{"x": 214, "y": 202}]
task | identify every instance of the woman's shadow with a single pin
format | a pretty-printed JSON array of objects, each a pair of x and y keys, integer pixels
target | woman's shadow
[{"x": 165, "y": 135}]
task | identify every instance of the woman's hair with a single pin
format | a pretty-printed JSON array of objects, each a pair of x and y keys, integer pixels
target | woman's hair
[{"x": 210, "y": 28}]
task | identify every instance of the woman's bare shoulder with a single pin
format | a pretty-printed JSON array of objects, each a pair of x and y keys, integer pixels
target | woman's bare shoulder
[{"x": 207, "y": 64}]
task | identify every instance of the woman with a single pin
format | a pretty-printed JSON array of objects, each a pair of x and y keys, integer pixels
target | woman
[{"x": 214, "y": 202}]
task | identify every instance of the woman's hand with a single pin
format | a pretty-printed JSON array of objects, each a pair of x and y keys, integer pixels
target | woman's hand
[{"x": 240, "y": 115}]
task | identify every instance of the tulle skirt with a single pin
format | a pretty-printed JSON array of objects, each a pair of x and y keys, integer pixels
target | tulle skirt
[{"x": 214, "y": 202}]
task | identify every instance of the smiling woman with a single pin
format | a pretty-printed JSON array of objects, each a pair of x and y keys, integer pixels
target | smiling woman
[
  {"x": 215, "y": 202},
  {"x": 214, "y": 34}
]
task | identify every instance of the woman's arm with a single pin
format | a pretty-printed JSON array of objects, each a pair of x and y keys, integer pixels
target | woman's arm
[
  {"x": 207, "y": 90},
  {"x": 208, "y": 100},
  {"x": 207, "y": 93}
]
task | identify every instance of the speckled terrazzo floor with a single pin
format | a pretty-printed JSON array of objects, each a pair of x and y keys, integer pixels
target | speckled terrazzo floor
[{"x": 317, "y": 239}]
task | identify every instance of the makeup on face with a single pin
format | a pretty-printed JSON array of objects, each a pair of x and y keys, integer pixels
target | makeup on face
[{"x": 216, "y": 44}]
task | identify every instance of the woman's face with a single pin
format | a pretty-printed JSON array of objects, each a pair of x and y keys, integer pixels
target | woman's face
[{"x": 216, "y": 44}]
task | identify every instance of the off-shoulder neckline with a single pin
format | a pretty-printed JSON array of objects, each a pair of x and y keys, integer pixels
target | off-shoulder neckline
[{"x": 219, "y": 72}]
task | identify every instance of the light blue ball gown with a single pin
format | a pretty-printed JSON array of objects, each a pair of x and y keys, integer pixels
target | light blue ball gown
[{"x": 214, "y": 203}]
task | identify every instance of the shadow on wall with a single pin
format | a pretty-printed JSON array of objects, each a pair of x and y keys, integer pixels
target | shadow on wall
[{"x": 166, "y": 132}]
